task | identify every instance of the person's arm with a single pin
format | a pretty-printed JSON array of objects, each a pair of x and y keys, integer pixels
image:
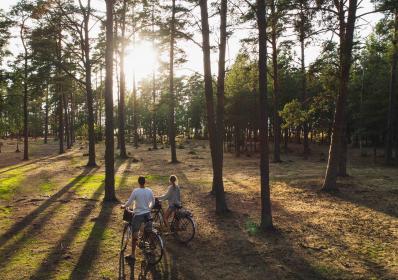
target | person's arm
[
  {"x": 130, "y": 200},
  {"x": 152, "y": 200},
  {"x": 166, "y": 196}
]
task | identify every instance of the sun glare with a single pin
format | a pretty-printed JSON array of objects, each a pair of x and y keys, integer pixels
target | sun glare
[{"x": 143, "y": 59}]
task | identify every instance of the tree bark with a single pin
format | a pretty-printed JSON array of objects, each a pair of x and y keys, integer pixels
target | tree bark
[
  {"x": 172, "y": 126},
  {"x": 277, "y": 125},
  {"x": 89, "y": 90},
  {"x": 266, "y": 214},
  {"x": 66, "y": 120},
  {"x": 60, "y": 116},
  {"x": 122, "y": 109},
  {"x": 306, "y": 150},
  {"x": 25, "y": 95},
  {"x": 221, "y": 205},
  {"x": 109, "y": 137},
  {"x": 46, "y": 118},
  {"x": 346, "y": 43},
  {"x": 154, "y": 129},
  {"x": 391, "y": 126}
]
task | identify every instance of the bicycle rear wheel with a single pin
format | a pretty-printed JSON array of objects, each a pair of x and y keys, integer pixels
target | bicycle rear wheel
[
  {"x": 184, "y": 229},
  {"x": 153, "y": 247}
]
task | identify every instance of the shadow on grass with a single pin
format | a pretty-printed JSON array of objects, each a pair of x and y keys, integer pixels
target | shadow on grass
[
  {"x": 27, "y": 220},
  {"x": 378, "y": 199},
  {"x": 91, "y": 248},
  {"x": 27, "y": 164},
  {"x": 271, "y": 262},
  {"x": 53, "y": 259}
]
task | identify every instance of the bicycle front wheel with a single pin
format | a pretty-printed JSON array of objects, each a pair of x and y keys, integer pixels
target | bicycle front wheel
[
  {"x": 126, "y": 238},
  {"x": 153, "y": 247},
  {"x": 184, "y": 229}
]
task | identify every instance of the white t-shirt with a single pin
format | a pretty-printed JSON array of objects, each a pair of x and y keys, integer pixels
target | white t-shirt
[{"x": 143, "y": 200}]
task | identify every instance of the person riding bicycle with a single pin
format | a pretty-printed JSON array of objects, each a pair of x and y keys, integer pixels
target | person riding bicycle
[
  {"x": 173, "y": 197},
  {"x": 143, "y": 201}
]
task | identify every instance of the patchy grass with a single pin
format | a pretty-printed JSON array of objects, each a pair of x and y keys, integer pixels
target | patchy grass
[
  {"x": 72, "y": 234},
  {"x": 10, "y": 183}
]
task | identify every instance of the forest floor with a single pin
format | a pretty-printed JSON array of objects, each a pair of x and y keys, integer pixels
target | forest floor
[{"x": 53, "y": 224}]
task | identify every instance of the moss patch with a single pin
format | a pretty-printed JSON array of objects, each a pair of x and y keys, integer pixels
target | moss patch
[{"x": 9, "y": 184}]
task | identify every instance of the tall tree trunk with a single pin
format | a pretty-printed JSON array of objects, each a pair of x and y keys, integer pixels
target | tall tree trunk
[
  {"x": 277, "y": 125},
  {"x": 109, "y": 137},
  {"x": 306, "y": 150},
  {"x": 391, "y": 127},
  {"x": 60, "y": 116},
  {"x": 66, "y": 120},
  {"x": 346, "y": 42},
  {"x": 154, "y": 129},
  {"x": 89, "y": 90},
  {"x": 266, "y": 214},
  {"x": 25, "y": 96},
  {"x": 172, "y": 126},
  {"x": 221, "y": 206},
  {"x": 122, "y": 109},
  {"x": 46, "y": 118},
  {"x": 135, "y": 105}
]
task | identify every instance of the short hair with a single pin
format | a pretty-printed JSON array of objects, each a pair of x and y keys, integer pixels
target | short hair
[
  {"x": 173, "y": 178},
  {"x": 141, "y": 180}
]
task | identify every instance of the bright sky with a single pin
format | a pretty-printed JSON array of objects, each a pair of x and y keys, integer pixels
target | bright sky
[{"x": 145, "y": 58}]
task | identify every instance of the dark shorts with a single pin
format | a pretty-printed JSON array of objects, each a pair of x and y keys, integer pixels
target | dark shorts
[
  {"x": 138, "y": 220},
  {"x": 173, "y": 207}
]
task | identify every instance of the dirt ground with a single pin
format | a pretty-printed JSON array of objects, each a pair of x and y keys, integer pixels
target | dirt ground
[{"x": 53, "y": 224}]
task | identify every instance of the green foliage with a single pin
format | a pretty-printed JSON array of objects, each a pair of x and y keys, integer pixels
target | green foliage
[{"x": 293, "y": 114}]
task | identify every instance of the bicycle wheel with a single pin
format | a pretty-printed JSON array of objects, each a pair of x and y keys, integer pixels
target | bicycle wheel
[
  {"x": 157, "y": 221},
  {"x": 184, "y": 229},
  {"x": 153, "y": 247},
  {"x": 122, "y": 274},
  {"x": 127, "y": 234}
]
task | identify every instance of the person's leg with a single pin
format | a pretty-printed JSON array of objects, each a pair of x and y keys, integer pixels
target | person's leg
[{"x": 135, "y": 224}]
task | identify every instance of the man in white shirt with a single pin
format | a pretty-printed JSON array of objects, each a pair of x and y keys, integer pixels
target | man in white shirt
[{"x": 143, "y": 201}]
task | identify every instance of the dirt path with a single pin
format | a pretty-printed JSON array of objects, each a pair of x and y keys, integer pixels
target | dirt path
[{"x": 55, "y": 226}]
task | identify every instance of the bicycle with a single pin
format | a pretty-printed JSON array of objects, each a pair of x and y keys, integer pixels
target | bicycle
[
  {"x": 149, "y": 242},
  {"x": 182, "y": 226}
]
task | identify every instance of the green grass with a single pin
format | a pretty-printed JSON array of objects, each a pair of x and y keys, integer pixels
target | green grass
[
  {"x": 47, "y": 186},
  {"x": 9, "y": 184},
  {"x": 251, "y": 227}
]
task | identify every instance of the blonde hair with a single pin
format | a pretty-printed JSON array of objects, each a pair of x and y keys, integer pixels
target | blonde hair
[{"x": 173, "y": 179}]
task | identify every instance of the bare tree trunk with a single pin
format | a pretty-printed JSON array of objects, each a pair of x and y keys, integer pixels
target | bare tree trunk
[
  {"x": 391, "y": 126},
  {"x": 25, "y": 96},
  {"x": 66, "y": 120},
  {"x": 109, "y": 138},
  {"x": 154, "y": 129},
  {"x": 135, "y": 121},
  {"x": 60, "y": 116},
  {"x": 89, "y": 90},
  {"x": 346, "y": 42},
  {"x": 303, "y": 82},
  {"x": 122, "y": 110},
  {"x": 46, "y": 118},
  {"x": 277, "y": 125},
  {"x": 221, "y": 206},
  {"x": 172, "y": 126},
  {"x": 266, "y": 214}
]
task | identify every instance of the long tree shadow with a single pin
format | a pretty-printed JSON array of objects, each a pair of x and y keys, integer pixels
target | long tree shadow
[
  {"x": 13, "y": 248},
  {"x": 27, "y": 220},
  {"x": 48, "y": 268},
  {"x": 260, "y": 264},
  {"x": 28, "y": 163},
  {"x": 323, "y": 234},
  {"x": 381, "y": 199},
  {"x": 92, "y": 246}
]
